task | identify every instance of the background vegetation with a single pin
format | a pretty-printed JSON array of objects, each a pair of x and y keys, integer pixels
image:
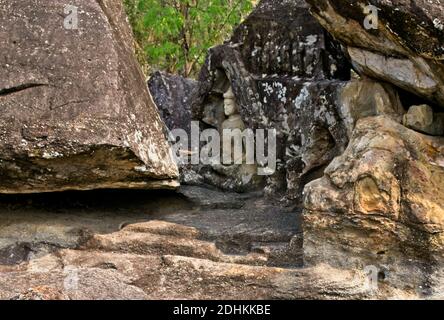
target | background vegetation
[{"x": 174, "y": 35}]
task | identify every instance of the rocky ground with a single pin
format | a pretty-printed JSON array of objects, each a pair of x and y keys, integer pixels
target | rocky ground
[{"x": 195, "y": 244}]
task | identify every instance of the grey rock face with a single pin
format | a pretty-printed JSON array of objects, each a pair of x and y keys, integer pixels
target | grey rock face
[
  {"x": 314, "y": 121},
  {"x": 322, "y": 119},
  {"x": 76, "y": 113},
  {"x": 259, "y": 74},
  {"x": 172, "y": 94},
  {"x": 404, "y": 48}
]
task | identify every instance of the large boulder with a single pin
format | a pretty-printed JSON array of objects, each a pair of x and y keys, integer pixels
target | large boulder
[
  {"x": 76, "y": 113},
  {"x": 172, "y": 94},
  {"x": 381, "y": 204},
  {"x": 401, "y": 41}
]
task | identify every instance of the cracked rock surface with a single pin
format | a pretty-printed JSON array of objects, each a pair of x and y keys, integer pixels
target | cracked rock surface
[{"x": 76, "y": 113}]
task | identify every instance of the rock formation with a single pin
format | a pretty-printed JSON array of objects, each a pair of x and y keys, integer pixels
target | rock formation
[
  {"x": 404, "y": 44},
  {"x": 76, "y": 113},
  {"x": 263, "y": 68},
  {"x": 359, "y": 158},
  {"x": 140, "y": 245},
  {"x": 287, "y": 73},
  {"x": 322, "y": 122},
  {"x": 171, "y": 94},
  {"x": 380, "y": 204}
]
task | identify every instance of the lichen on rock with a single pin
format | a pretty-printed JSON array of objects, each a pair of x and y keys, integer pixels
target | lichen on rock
[{"x": 76, "y": 113}]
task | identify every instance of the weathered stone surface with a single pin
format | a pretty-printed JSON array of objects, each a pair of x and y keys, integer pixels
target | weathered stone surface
[
  {"x": 76, "y": 113},
  {"x": 214, "y": 113},
  {"x": 152, "y": 245},
  {"x": 314, "y": 124},
  {"x": 230, "y": 105},
  {"x": 257, "y": 74},
  {"x": 172, "y": 93},
  {"x": 312, "y": 108},
  {"x": 321, "y": 121},
  {"x": 381, "y": 203},
  {"x": 281, "y": 38},
  {"x": 214, "y": 199},
  {"x": 52, "y": 284},
  {"x": 162, "y": 252},
  {"x": 423, "y": 119},
  {"x": 34, "y": 227},
  {"x": 405, "y": 48},
  {"x": 107, "y": 276}
]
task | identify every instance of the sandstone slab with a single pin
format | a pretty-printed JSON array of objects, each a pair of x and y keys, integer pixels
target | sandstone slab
[{"x": 381, "y": 204}]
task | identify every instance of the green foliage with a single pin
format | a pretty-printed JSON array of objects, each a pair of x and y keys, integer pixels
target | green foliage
[{"x": 174, "y": 35}]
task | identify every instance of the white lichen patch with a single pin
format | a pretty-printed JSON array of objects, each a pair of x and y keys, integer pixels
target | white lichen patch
[
  {"x": 438, "y": 24},
  {"x": 311, "y": 40},
  {"x": 267, "y": 88},
  {"x": 303, "y": 95},
  {"x": 282, "y": 91},
  {"x": 141, "y": 169},
  {"x": 51, "y": 155},
  {"x": 138, "y": 136}
]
